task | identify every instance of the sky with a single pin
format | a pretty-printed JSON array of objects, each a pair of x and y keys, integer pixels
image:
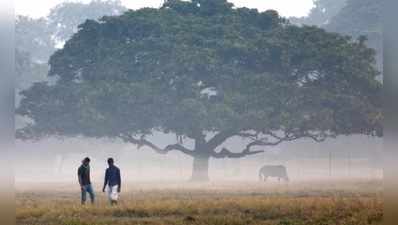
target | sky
[{"x": 287, "y": 8}]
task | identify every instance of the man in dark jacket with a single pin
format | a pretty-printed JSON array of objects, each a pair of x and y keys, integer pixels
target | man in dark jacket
[
  {"x": 83, "y": 174},
  {"x": 113, "y": 181}
]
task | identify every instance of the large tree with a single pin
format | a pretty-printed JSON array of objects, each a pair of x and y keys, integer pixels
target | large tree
[{"x": 206, "y": 72}]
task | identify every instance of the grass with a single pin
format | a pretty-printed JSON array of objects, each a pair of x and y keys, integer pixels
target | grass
[{"x": 315, "y": 203}]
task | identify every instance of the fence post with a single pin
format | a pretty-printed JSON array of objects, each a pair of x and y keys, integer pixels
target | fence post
[
  {"x": 330, "y": 163},
  {"x": 349, "y": 163}
]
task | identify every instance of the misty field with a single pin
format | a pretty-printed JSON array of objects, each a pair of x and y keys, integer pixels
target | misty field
[{"x": 310, "y": 203}]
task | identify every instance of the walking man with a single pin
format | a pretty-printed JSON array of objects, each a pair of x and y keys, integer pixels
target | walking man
[
  {"x": 83, "y": 174},
  {"x": 113, "y": 181}
]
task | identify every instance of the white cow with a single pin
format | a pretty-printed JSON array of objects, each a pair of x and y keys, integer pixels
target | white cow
[{"x": 278, "y": 171}]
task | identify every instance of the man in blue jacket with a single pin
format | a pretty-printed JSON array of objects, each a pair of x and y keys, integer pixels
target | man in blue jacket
[{"x": 113, "y": 181}]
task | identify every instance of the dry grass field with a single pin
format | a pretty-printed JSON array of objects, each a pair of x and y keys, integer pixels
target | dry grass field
[{"x": 307, "y": 203}]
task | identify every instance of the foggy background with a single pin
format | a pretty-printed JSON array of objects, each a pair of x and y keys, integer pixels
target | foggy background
[
  {"x": 53, "y": 160},
  {"x": 57, "y": 160}
]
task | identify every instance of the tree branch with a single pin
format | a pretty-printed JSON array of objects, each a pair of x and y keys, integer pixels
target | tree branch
[
  {"x": 140, "y": 142},
  {"x": 218, "y": 139},
  {"x": 288, "y": 136},
  {"x": 257, "y": 141},
  {"x": 225, "y": 153}
]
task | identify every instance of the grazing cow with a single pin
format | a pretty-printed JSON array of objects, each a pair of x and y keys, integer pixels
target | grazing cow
[{"x": 277, "y": 171}]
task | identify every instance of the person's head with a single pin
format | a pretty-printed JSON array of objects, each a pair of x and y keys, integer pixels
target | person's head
[
  {"x": 110, "y": 161},
  {"x": 86, "y": 161}
]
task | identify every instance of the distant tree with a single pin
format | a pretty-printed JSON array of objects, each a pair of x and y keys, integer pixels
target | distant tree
[
  {"x": 36, "y": 39},
  {"x": 361, "y": 18},
  {"x": 321, "y": 14},
  {"x": 358, "y": 17},
  {"x": 39, "y": 37},
  {"x": 206, "y": 72},
  {"x": 355, "y": 18},
  {"x": 65, "y": 17},
  {"x": 27, "y": 71},
  {"x": 32, "y": 36}
]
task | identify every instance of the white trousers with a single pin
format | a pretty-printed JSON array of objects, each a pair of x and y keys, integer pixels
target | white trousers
[{"x": 113, "y": 195}]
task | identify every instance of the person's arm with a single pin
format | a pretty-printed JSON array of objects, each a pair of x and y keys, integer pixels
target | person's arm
[
  {"x": 105, "y": 180},
  {"x": 79, "y": 176},
  {"x": 119, "y": 180}
]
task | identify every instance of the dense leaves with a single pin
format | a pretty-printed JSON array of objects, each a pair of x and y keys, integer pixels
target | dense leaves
[{"x": 193, "y": 68}]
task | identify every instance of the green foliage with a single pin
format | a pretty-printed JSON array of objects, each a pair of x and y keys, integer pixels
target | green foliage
[{"x": 196, "y": 67}]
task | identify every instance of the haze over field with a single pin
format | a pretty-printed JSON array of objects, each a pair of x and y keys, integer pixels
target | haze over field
[{"x": 57, "y": 161}]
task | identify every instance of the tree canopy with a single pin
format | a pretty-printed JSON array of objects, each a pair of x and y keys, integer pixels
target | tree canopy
[{"x": 206, "y": 71}]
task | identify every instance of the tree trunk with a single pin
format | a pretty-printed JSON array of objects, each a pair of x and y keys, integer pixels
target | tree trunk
[{"x": 200, "y": 169}]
